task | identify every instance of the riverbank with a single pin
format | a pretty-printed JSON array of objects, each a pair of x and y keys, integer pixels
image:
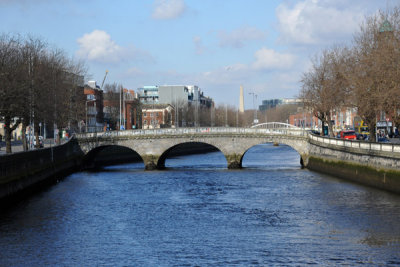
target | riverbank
[{"x": 25, "y": 172}]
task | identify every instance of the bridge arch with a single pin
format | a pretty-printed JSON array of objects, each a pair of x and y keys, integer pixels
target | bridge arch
[
  {"x": 196, "y": 147},
  {"x": 110, "y": 154},
  {"x": 289, "y": 143}
]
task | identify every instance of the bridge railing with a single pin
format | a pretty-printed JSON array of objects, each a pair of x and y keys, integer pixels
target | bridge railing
[
  {"x": 275, "y": 125},
  {"x": 379, "y": 147},
  {"x": 197, "y": 130}
]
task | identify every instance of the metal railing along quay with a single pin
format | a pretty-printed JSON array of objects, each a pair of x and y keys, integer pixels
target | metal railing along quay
[{"x": 357, "y": 144}]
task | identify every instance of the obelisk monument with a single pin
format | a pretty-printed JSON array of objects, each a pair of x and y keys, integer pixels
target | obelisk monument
[{"x": 241, "y": 100}]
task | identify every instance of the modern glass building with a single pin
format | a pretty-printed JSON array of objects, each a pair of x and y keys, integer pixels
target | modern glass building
[
  {"x": 272, "y": 103},
  {"x": 171, "y": 94}
]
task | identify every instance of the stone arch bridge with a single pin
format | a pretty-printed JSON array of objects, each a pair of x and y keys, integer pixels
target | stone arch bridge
[{"x": 153, "y": 145}]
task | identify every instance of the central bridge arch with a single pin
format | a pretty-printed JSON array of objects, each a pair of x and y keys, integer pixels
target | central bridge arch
[{"x": 184, "y": 149}]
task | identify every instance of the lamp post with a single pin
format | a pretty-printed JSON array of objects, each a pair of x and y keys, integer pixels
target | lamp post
[
  {"x": 226, "y": 115},
  {"x": 153, "y": 120},
  {"x": 255, "y": 110}
]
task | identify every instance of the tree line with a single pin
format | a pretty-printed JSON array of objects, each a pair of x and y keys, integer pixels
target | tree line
[
  {"x": 38, "y": 85},
  {"x": 364, "y": 75}
]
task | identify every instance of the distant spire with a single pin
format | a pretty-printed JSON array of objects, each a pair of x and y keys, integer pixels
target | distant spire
[
  {"x": 241, "y": 100},
  {"x": 386, "y": 27}
]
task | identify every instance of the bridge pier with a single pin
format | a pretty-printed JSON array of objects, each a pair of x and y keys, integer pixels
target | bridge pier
[
  {"x": 234, "y": 161},
  {"x": 151, "y": 162},
  {"x": 304, "y": 160}
]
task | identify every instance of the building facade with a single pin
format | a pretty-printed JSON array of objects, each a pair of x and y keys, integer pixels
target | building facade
[
  {"x": 94, "y": 116},
  {"x": 174, "y": 95},
  {"x": 272, "y": 103},
  {"x": 156, "y": 116}
]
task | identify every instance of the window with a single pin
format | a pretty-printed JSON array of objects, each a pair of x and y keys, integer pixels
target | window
[
  {"x": 151, "y": 114},
  {"x": 144, "y": 114},
  {"x": 145, "y": 122},
  {"x": 157, "y": 114}
]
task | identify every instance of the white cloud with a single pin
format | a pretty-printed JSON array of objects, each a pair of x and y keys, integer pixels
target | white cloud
[
  {"x": 318, "y": 21},
  {"x": 238, "y": 37},
  {"x": 98, "y": 46},
  {"x": 168, "y": 9},
  {"x": 268, "y": 59}
]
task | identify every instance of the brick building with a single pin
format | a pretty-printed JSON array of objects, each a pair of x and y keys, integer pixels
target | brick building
[{"x": 157, "y": 116}]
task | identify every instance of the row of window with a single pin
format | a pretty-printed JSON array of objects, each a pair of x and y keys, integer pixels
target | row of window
[
  {"x": 151, "y": 114},
  {"x": 152, "y": 122}
]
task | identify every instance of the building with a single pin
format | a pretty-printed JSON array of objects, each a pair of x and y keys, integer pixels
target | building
[
  {"x": 148, "y": 95},
  {"x": 342, "y": 119},
  {"x": 304, "y": 119},
  {"x": 157, "y": 116},
  {"x": 272, "y": 103},
  {"x": 174, "y": 95},
  {"x": 94, "y": 116},
  {"x": 182, "y": 97},
  {"x": 130, "y": 110},
  {"x": 121, "y": 109}
]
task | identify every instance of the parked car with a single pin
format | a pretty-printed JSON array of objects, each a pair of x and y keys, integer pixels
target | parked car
[
  {"x": 315, "y": 132},
  {"x": 33, "y": 141},
  {"x": 350, "y": 135},
  {"x": 383, "y": 139}
]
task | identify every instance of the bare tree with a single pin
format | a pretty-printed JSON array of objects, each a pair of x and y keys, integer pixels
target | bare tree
[
  {"x": 325, "y": 87},
  {"x": 375, "y": 70},
  {"x": 11, "y": 93},
  {"x": 35, "y": 86},
  {"x": 112, "y": 104}
]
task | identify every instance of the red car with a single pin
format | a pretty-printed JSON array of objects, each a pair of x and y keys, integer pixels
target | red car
[{"x": 350, "y": 135}]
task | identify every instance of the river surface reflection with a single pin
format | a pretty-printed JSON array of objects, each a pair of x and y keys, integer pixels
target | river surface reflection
[{"x": 198, "y": 213}]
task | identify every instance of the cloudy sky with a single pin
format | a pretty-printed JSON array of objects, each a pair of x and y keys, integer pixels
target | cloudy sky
[{"x": 265, "y": 45}]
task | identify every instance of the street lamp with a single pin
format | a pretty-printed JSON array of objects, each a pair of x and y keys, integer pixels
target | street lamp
[
  {"x": 255, "y": 110},
  {"x": 92, "y": 100},
  {"x": 153, "y": 120}
]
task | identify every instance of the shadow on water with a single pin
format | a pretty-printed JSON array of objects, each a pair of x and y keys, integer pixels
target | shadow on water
[
  {"x": 260, "y": 157},
  {"x": 264, "y": 156}
]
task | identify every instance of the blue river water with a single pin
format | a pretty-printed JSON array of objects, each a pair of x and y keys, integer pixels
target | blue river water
[{"x": 198, "y": 213}]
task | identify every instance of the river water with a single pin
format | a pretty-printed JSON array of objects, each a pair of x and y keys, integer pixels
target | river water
[{"x": 198, "y": 213}]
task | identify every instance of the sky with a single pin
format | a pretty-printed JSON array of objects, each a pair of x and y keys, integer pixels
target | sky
[{"x": 218, "y": 45}]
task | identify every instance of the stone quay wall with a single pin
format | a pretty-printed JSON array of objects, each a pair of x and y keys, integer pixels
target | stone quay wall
[
  {"x": 372, "y": 164},
  {"x": 24, "y": 171}
]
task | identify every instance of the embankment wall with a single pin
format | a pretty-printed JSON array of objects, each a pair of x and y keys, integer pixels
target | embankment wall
[
  {"x": 372, "y": 164},
  {"x": 24, "y": 171}
]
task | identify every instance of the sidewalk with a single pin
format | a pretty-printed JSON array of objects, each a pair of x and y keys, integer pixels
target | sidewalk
[{"x": 16, "y": 146}]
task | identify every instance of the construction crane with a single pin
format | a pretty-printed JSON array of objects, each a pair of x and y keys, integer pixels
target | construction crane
[{"x": 104, "y": 80}]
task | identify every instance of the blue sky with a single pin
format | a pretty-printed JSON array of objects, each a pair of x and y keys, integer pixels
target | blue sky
[{"x": 264, "y": 45}]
